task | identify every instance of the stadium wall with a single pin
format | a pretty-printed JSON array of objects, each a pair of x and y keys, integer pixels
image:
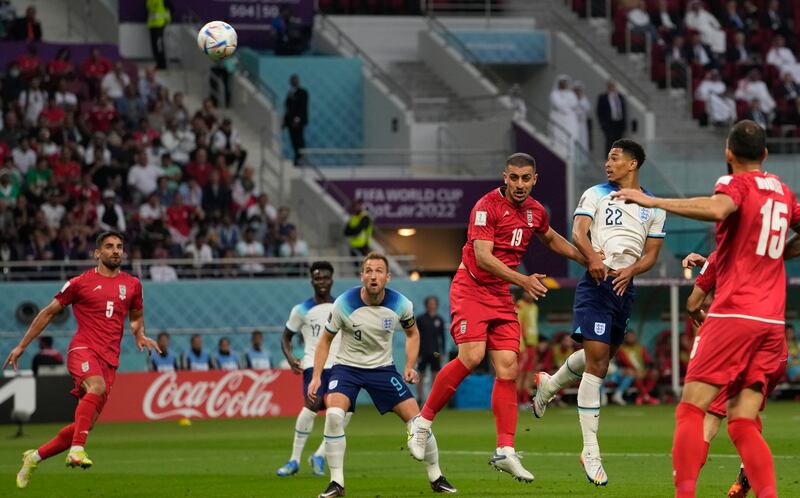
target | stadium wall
[
  {"x": 386, "y": 121},
  {"x": 215, "y": 308}
]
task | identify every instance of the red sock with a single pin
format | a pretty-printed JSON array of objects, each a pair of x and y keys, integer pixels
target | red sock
[
  {"x": 59, "y": 443},
  {"x": 88, "y": 407},
  {"x": 444, "y": 386},
  {"x": 689, "y": 449},
  {"x": 641, "y": 386},
  {"x": 755, "y": 455},
  {"x": 504, "y": 407}
]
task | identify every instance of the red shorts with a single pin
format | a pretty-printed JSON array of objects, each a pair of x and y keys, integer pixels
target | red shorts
[
  {"x": 530, "y": 360},
  {"x": 84, "y": 363},
  {"x": 481, "y": 315},
  {"x": 720, "y": 404},
  {"x": 736, "y": 353}
]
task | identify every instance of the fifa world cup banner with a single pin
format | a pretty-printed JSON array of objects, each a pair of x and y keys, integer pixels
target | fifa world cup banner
[
  {"x": 197, "y": 395},
  {"x": 422, "y": 202}
]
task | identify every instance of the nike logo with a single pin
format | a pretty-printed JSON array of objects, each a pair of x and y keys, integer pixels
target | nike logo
[
  {"x": 505, "y": 214},
  {"x": 98, "y": 287},
  {"x": 356, "y": 324}
]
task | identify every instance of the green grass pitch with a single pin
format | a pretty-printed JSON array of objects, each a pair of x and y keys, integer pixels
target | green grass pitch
[{"x": 239, "y": 457}]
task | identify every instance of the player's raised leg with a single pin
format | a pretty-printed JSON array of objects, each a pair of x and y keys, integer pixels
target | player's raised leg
[
  {"x": 86, "y": 413},
  {"x": 504, "y": 407},
  {"x": 548, "y": 386},
  {"x": 470, "y": 354},
  {"x": 407, "y": 410}
]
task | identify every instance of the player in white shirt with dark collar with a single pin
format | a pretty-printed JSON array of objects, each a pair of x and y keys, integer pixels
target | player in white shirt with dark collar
[
  {"x": 365, "y": 318},
  {"x": 620, "y": 241},
  {"x": 308, "y": 319}
]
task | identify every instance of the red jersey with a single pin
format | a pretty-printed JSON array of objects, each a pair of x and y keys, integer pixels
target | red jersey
[
  {"x": 180, "y": 218},
  {"x": 95, "y": 69},
  {"x": 751, "y": 280},
  {"x": 509, "y": 226},
  {"x": 100, "y": 305},
  {"x": 708, "y": 274}
]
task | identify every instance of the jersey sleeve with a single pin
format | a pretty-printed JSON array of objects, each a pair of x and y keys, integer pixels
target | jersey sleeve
[
  {"x": 406, "y": 314},
  {"x": 732, "y": 187},
  {"x": 295, "y": 321},
  {"x": 69, "y": 292},
  {"x": 544, "y": 226},
  {"x": 482, "y": 221},
  {"x": 707, "y": 278},
  {"x": 137, "y": 301},
  {"x": 657, "y": 229},
  {"x": 336, "y": 318},
  {"x": 587, "y": 206},
  {"x": 795, "y": 221}
]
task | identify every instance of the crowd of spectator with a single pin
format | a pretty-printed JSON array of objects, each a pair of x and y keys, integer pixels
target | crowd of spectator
[
  {"x": 96, "y": 145},
  {"x": 737, "y": 57}
]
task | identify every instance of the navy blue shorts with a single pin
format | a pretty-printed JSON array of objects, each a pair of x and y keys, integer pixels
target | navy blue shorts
[
  {"x": 384, "y": 385},
  {"x": 323, "y": 385},
  {"x": 598, "y": 314}
]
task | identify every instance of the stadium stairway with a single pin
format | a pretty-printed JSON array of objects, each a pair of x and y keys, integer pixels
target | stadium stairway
[
  {"x": 426, "y": 88},
  {"x": 672, "y": 111}
]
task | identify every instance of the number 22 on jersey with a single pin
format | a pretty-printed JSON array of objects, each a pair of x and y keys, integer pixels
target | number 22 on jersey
[{"x": 773, "y": 219}]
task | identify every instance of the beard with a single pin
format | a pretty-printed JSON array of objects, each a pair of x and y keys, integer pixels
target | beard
[
  {"x": 110, "y": 263},
  {"x": 730, "y": 168}
]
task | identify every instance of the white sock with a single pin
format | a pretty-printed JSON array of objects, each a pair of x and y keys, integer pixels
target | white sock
[
  {"x": 589, "y": 410},
  {"x": 321, "y": 450},
  {"x": 302, "y": 428},
  {"x": 36, "y": 457},
  {"x": 335, "y": 443},
  {"x": 570, "y": 371},
  {"x": 423, "y": 422},
  {"x": 432, "y": 459},
  {"x": 76, "y": 448}
]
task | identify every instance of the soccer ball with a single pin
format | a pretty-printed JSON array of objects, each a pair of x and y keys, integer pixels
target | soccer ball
[{"x": 217, "y": 40}]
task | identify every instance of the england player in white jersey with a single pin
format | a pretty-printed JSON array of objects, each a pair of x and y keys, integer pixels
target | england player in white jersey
[
  {"x": 308, "y": 319},
  {"x": 620, "y": 241},
  {"x": 365, "y": 318}
]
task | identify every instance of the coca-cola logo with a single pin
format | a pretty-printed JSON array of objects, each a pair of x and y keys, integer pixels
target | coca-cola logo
[{"x": 242, "y": 393}]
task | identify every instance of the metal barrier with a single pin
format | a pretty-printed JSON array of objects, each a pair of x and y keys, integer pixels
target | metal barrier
[
  {"x": 444, "y": 160},
  {"x": 181, "y": 268}
]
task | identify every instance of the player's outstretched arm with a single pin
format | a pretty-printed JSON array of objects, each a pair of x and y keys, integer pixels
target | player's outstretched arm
[
  {"x": 714, "y": 208},
  {"x": 286, "y": 347},
  {"x": 43, "y": 318},
  {"x": 623, "y": 278},
  {"x": 580, "y": 237},
  {"x": 489, "y": 262},
  {"x": 320, "y": 357},
  {"x": 137, "y": 327},
  {"x": 412, "y": 352},
  {"x": 559, "y": 245}
]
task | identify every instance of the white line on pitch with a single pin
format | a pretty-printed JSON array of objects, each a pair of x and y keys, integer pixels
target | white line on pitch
[{"x": 567, "y": 454}]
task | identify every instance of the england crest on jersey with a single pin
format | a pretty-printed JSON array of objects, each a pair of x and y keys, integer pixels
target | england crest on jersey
[
  {"x": 388, "y": 324},
  {"x": 644, "y": 214},
  {"x": 122, "y": 292},
  {"x": 530, "y": 217}
]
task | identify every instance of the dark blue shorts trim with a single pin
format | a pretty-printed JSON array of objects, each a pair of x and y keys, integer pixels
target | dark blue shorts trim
[
  {"x": 384, "y": 385},
  {"x": 598, "y": 313}
]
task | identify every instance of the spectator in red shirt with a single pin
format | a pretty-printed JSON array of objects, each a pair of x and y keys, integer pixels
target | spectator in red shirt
[
  {"x": 59, "y": 67},
  {"x": 180, "y": 219},
  {"x": 27, "y": 28},
  {"x": 5, "y": 151},
  {"x": 93, "y": 68},
  {"x": 146, "y": 133},
  {"x": 86, "y": 189},
  {"x": 66, "y": 168},
  {"x": 221, "y": 167},
  {"x": 29, "y": 62},
  {"x": 199, "y": 168},
  {"x": 53, "y": 115},
  {"x": 46, "y": 355},
  {"x": 636, "y": 361},
  {"x": 85, "y": 215},
  {"x": 101, "y": 114}
]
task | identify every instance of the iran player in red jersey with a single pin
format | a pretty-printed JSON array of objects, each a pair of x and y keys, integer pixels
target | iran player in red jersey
[
  {"x": 501, "y": 225},
  {"x": 100, "y": 299},
  {"x": 742, "y": 341}
]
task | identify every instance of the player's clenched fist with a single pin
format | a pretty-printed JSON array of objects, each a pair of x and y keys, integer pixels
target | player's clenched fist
[
  {"x": 597, "y": 268},
  {"x": 410, "y": 375}
]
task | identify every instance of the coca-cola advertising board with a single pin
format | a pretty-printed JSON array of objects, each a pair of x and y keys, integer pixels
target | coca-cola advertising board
[{"x": 214, "y": 394}]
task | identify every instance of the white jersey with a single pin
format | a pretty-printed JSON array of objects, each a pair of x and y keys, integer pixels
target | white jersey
[
  {"x": 308, "y": 318},
  {"x": 619, "y": 229},
  {"x": 367, "y": 330}
]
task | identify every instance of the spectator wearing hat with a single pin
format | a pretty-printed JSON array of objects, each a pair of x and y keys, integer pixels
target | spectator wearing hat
[{"x": 109, "y": 213}]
